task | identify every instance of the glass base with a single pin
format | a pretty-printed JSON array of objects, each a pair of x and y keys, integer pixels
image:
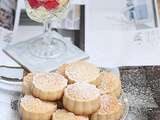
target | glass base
[{"x": 47, "y": 48}]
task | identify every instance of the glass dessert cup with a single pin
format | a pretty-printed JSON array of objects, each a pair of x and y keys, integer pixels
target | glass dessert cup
[{"x": 48, "y": 12}]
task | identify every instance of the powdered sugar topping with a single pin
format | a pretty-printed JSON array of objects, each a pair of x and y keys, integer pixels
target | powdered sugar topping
[{"x": 83, "y": 91}]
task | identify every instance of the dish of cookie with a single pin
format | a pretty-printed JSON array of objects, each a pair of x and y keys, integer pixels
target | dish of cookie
[{"x": 76, "y": 91}]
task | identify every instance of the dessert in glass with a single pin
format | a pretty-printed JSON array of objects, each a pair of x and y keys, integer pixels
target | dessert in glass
[{"x": 48, "y": 12}]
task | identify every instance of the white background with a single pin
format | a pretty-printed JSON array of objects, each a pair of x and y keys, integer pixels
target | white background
[{"x": 109, "y": 45}]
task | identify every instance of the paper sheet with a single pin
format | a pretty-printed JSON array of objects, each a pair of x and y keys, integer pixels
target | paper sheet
[
  {"x": 106, "y": 15},
  {"x": 111, "y": 40},
  {"x": 125, "y": 48}
]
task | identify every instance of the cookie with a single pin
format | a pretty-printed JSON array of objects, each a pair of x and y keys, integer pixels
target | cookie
[
  {"x": 82, "y": 71},
  {"x": 32, "y": 108},
  {"x": 48, "y": 86},
  {"x": 81, "y": 98}
]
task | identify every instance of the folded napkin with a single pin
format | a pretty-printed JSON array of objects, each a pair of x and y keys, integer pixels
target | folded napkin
[
  {"x": 9, "y": 69},
  {"x": 11, "y": 73}
]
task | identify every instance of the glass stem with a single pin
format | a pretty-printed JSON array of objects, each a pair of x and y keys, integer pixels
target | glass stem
[
  {"x": 48, "y": 39},
  {"x": 47, "y": 27}
]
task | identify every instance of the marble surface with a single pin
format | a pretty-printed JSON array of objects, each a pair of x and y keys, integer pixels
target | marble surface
[{"x": 141, "y": 84}]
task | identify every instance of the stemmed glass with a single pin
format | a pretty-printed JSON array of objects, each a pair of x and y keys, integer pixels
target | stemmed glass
[{"x": 48, "y": 12}]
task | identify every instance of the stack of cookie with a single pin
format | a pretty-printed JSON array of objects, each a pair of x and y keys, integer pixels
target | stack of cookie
[{"x": 76, "y": 91}]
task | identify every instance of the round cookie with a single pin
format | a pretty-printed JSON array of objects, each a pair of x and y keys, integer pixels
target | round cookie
[
  {"x": 110, "y": 84},
  {"x": 32, "y": 108},
  {"x": 82, "y": 71},
  {"x": 48, "y": 86},
  {"x": 26, "y": 84},
  {"x": 81, "y": 98},
  {"x": 61, "y": 70},
  {"x": 111, "y": 109},
  {"x": 65, "y": 115}
]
